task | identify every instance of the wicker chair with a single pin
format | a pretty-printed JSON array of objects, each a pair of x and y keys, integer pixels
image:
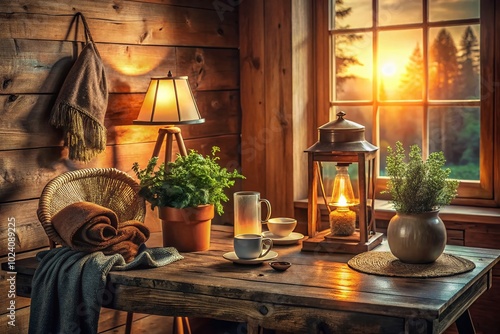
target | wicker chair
[{"x": 108, "y": 187}]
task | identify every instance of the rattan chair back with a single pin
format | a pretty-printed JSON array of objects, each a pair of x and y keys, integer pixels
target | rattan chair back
[{"x": 108, "y": 187}]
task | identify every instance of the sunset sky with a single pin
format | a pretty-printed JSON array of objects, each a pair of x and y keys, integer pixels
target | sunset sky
[{"x": 395, "y": 47}]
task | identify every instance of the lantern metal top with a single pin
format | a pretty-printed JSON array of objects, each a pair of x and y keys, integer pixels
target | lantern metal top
[{"x": 342, "y": 135}]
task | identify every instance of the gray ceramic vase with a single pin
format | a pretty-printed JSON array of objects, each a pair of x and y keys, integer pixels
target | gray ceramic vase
[{"x": 416, "y": 238}]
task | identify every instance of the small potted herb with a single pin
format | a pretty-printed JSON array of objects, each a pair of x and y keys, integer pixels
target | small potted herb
[
  {"x": 186, "y": 192},
  {"x": 419, "y": 188}
]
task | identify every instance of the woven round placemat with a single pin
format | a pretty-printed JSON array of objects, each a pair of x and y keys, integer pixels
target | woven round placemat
[{"x": 386, "y": 264}]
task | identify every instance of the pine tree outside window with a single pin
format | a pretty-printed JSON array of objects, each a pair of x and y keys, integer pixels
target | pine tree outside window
[{"x": 419, "y": 72}]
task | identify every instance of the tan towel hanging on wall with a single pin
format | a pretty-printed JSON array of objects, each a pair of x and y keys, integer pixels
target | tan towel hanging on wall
[{"x": 81, "y": 104}]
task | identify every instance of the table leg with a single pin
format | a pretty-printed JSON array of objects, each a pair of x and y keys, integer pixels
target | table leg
[
  {"x": 464, "y": 323},
  {"x": 128, "y": 323}
]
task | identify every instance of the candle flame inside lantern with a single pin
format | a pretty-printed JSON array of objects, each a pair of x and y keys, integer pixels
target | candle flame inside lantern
[
  {"x": 342, "y": 200},
  {"x": 342, "y": 194}
]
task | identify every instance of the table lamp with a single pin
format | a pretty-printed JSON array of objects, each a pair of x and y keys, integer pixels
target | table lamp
[{"x": 169, "y": 101}]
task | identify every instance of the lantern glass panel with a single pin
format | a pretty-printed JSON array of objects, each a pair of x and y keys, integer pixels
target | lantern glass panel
[
  {"x": 328, "y": 173},
  {"x": 342, "y": 194}
]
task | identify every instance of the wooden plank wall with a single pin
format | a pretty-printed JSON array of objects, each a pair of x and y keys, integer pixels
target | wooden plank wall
[{"x": 137, "y": 40}]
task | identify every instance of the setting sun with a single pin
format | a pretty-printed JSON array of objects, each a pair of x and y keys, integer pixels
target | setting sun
[{"x": 388, "y": 69}]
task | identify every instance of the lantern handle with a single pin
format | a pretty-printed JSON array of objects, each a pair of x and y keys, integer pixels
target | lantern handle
[{"x": 322, "y": 186}]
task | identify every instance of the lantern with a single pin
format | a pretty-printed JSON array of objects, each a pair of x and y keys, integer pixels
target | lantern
[{"x": 350, "y": 208}]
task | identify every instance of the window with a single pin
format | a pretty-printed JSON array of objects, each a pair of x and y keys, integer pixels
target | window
[{"x": 419, "y": 72}]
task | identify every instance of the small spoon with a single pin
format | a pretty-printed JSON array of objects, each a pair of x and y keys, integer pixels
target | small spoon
[{"x": 280, "y": 265}]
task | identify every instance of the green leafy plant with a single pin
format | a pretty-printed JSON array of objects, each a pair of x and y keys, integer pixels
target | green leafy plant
[
  {"x": 188, "y": 181},
  {"x": 416, "y": 185}
]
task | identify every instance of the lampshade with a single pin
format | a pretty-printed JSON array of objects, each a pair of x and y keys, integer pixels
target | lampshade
[{"x": 169, "y": 101}]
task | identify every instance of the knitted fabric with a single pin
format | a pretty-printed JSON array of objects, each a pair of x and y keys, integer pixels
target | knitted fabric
[{"x": 81, "y": 106}]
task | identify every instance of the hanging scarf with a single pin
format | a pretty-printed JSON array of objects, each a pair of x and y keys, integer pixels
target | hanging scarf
[{"x": 82, "y": 102}]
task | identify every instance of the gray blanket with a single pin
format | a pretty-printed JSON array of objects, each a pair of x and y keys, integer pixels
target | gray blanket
[{"x": 68, "y": 287}]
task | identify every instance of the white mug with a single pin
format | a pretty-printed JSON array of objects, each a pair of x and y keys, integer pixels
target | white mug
[{"x": 251, "y": 246}]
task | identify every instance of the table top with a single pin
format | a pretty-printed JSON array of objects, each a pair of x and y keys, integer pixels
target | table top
[{"x": 319, "y": 290}]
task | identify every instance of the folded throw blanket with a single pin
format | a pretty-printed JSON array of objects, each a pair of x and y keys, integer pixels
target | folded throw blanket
[
  {"x": 89, "y": 227},
  {"x": 68, "y": 288}
]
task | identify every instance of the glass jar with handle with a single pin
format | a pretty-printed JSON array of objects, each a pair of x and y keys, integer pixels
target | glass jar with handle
[{"x": 248, "y": 212}]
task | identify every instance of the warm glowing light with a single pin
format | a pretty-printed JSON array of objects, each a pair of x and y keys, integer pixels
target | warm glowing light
[
  {"x": 388, "y": 69},
  {"x": 342, "y": 194},
  {"x": 169, "y": 100},
  {"x": 342, "y": 201},
  {"x": 131, "y": 60}
]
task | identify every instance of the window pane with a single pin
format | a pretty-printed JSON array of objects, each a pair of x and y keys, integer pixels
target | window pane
[
  {"x": 353, "y": 14},
  {"x": 353, "y": 66},
  {"x": 400, "y": 64},
  {"x": 455, "y": 131},
  {"x": 440, "y": 10},
  {"x": 393, "y": 12},
  {"x": 454, "y": 63},
  {"x": 402, "y": 124}
]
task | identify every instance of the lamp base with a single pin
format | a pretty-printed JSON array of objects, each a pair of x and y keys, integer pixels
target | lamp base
[
  {"x": 169, "y": 132},
  {"x": 325, "y": 242}
]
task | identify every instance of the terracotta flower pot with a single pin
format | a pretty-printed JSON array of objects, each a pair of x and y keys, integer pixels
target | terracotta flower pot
[
  {"x": 416, "y": 238},
  {"x": 188, "y": 229}
]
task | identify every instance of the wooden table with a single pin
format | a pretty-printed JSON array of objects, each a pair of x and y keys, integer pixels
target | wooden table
[{"x": 318, "y": 294}]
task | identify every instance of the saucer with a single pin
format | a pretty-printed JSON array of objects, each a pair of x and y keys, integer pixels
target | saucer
[
  {"x": 231, "y": 256},
  {"x": 291, "y": 239}
]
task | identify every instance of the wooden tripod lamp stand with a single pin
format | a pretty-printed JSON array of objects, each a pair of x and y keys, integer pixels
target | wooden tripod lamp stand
[
  {"x": 169, "y": 132},
  {"x": 169, "y": 101}
]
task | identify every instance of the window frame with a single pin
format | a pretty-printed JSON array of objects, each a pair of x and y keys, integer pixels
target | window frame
[{"x": 486, "y": 191}]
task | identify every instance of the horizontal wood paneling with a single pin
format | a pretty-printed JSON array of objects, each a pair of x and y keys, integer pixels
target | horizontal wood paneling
[
  {"x": 40, "y": 165},
  {"x": 24, "y": 119},
  {"x": 127, "y": 22},
  {"x": 29, "y": 232},
  {"x": 24, "y": 122},
  {"x": 182, "y": 3},
  {"x": 24, "y": 69},
  {"x": 209, "y": 69},
  {"x": 22, "y": 321}
]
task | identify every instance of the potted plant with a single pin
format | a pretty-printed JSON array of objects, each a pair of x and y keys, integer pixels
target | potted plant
[
  {"x": 416, "y": 234},
  {"x": 186, "y": 192}
]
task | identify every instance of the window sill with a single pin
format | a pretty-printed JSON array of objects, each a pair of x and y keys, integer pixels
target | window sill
[{"x": 454, "y": 213}]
